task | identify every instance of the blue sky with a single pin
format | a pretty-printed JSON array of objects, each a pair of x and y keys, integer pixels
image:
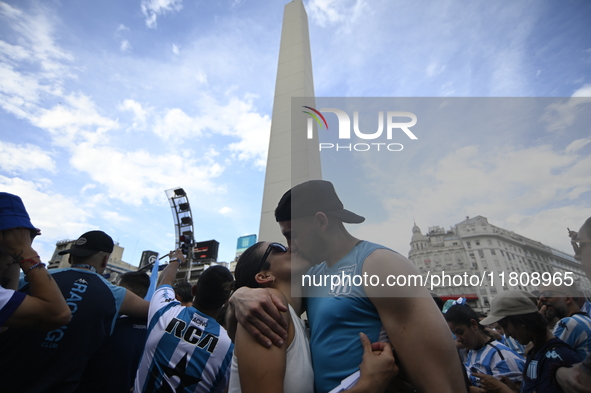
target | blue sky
[{"x": 104, "y": 105}]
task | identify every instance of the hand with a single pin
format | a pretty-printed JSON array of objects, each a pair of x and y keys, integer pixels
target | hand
[
  {"x": 493, "y": 333},
  {"x": 569, "y": 380},
  {"x": 16, "y": 242},
  {"x": 572, "y": 234},
  {"x": 259, "y": 312},
  {"x": 377, "y": 367},
  {"x": 491, "y": 384},
  {"x": 508, "y": 382},
  {"x": 177, "y": 254},
  {"x": 544, "y": 311}
]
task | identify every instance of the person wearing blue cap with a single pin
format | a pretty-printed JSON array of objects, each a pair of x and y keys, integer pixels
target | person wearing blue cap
[
  {"x": 46, "y": 309},
  {"x": 61, "y": 355}
]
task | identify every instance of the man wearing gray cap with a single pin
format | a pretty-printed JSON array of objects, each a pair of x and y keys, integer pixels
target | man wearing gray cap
[
  {"x": 518, "y": 315},
  {"x": 311, "y": 218},
  {"x": 47, "y": 309},
  {"x": 60, "y": 356}
]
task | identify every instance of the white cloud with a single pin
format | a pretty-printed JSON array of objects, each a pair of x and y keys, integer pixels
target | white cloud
[
  {"x": 559, "y": 116},
  {"x": 75, "y": 121},
  {"x": 176, "y": 125},
  {"x": 18, "y": 92},
  {"x": 152, "y": 8},
  {"x": 86, "y": 187},
  {"x": 236, "y": 3},
  {"x": 58, "y": 216},
  {"x": 114, "y": 217},
  {"x": 24, "y": 158},
  {"x": 237, "y": 118},
  {"x": 577, "y": 145},
  {"x": 122, "y": 27},
  {"x": 201, "y": 77},
  {"x": 254, "y": 131},
  {"x": 125, "y": 46},
  {"x": 329, "y": 12},
  {"x": 434, "y": 69},
  {"x": 225, "y": 211},
  {"x": 35, "y": 32},
  {"x": 175, "y": 49},
  {"x": 140, "y": 114},
  {"x": 534, "y": 191},
  {"x": 32, "y": 65},
  {"x": 584, "y": 91},
  {"x": 134, "y": 176}
]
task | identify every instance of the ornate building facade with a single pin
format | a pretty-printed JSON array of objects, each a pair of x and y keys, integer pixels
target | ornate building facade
[{"x": 477, "y": 248}]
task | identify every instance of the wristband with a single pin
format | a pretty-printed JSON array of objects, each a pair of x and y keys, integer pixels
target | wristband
[
  {"x": 35, "y": 266},
  {"x": 175, "y": 259},
  {"x": 29, "y": 260}
]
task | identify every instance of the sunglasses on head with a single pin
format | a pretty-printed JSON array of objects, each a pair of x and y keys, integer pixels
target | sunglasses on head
[{"x": 272, "y": 247}]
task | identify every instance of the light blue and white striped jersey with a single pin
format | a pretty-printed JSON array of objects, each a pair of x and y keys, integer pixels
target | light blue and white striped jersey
[
  {"x": 586, "y": 308},
  {"x": 186, "y": 350},
  {"x": 576, "y": 332},
  {"x": 513, "y": 344},
  {"x": 495, "y": 359}
]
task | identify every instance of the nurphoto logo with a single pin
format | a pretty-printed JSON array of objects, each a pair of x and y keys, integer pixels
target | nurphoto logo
[{"x": 344, "y": 129}]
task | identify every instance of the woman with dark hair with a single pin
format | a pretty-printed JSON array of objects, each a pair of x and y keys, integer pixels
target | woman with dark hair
[
  {"x": 485, "y": 355},
  {"x": 287, "y": 369},
  {"x": 519, "y": 317}
]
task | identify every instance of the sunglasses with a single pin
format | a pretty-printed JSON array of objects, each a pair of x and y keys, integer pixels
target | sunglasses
[{"x": 272, "y": 247}]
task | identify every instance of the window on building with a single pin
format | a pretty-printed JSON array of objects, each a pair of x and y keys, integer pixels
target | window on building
[
  {"x": 493, "y": 252},
  {"x": 481, "y": 253},
  {"x": 468, "y": 244},
  {"x": 502, "y": 253},
  {"x": 477, "y": 242}
]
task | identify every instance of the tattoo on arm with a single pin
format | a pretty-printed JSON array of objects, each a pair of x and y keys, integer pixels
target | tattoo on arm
[{"x": 18, "y": 257}]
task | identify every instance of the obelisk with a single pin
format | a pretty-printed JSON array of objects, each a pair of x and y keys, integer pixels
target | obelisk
[{"x": 289, "y": 164}]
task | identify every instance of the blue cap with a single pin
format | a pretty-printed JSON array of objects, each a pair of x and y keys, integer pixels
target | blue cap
[{"x": 13, "y": 213}]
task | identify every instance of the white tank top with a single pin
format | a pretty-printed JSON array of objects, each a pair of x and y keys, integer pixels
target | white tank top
[{"x": 299, "y": 376}]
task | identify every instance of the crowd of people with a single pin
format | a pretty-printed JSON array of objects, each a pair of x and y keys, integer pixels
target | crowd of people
[{"x": 70, "y": 330}]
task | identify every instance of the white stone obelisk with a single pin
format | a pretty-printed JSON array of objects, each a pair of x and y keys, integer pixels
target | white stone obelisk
[{"x": 287, "y": 164}]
